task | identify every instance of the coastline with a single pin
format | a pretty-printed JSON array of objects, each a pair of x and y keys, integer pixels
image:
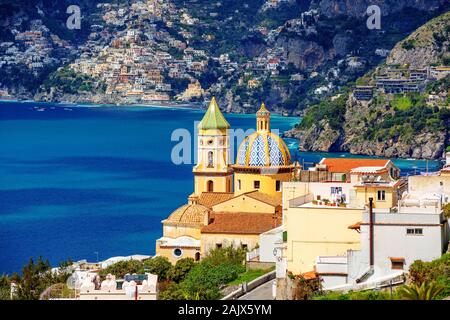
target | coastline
[{"x": 159, "y": 104}]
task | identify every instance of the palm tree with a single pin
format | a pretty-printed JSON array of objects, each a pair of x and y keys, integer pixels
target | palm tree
[{"x": 426, "y": 291}]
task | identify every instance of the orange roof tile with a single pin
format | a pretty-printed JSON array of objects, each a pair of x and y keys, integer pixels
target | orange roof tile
[
  {"x": 242, "y": 223},
  {"x": 345, "y": 165},
  {"x": 355, "y": 226},
  {"x": 264, "y": 197},
  {"x": 210, "y": 199},
  {"x": 309, "y": 275}
]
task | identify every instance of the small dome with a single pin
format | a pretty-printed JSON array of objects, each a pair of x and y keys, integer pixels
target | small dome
[
  {"x": 263, "y": 149},
  {"x": 189, "y": 214}
]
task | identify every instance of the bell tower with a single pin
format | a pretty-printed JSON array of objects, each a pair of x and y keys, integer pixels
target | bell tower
[
  {"x": 263, "y": 119},
  {"x": 212, "y": 172}
]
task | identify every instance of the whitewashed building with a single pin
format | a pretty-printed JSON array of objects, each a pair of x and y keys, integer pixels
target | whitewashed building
[{"x": 414, "y": 230}]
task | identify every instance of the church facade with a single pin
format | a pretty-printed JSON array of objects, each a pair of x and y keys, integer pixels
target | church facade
[{"x": 232, "y": 204}]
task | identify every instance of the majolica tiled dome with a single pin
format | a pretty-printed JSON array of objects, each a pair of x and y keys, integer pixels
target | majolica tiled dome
[{"x": 263, "y": 149}]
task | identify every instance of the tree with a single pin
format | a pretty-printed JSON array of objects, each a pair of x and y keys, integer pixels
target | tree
[
  {"x": 180, "y": 270},
  {"x": 426, "y": 291},
  {"x": 158, "y": 265},
  {"x": 446, "y": 210},
  {"x": 121, "y": 268}
]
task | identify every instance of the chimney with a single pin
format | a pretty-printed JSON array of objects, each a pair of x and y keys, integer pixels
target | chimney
[{"x": 371, "y": 222}]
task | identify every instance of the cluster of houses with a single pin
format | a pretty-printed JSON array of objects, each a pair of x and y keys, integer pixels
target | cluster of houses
[
  {"x": 145, "y": 62},
  {"x": 141, "y": 63},
  {"x": 396, "y": 80},
  {"x": 360, "y": 226},
  {"x": 34, "y": 49},
  {"x": 352, "y": 223}
]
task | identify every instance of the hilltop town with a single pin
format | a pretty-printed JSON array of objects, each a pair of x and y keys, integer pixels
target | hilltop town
[{"x": 286, "y": 53}]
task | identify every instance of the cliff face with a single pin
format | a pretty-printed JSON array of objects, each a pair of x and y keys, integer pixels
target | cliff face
[
  {"x": 357, "y": 8},
  {"x": 427, "y": 45},
  {"x": 359, "y": 116},
  {"x": 406, "y": 126}
]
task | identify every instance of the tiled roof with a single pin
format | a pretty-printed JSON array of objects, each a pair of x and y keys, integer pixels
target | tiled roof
[
  {"x": 355, "y": 226},
  {"x": 213, "y": 118},
  {"x": 193, "y": 214},
  {"x": 345, "y": 165},
  {"x": 241, "y": 223},
  {"x": 264, "y": 197},
  {"x": 209, "y": 199},
  {"x": 309, "y": 275}
]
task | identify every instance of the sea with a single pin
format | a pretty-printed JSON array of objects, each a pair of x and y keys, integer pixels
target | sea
[{"x": 95, "y": 181}]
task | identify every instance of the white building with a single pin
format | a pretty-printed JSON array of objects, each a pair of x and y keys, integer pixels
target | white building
[
  {"x": 135, "y": 287},
  {"x": 415, "y": 230}
]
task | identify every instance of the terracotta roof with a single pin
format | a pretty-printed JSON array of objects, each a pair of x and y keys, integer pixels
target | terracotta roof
[
  {"x": 395, "y": 259},
  {"x": 355, "y": 226},
  {"x": 192, "y": 214},
  {"x": 309, "y": 275},
  {"x": 241, "y": 223},
  {"x": 345, "y": 165},
  {"x": 209, "y": 199},
  {"x": 264, "y": 197}
]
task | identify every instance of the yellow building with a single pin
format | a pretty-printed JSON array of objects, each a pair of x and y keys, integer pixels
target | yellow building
[
  {"x": 263, "y": 161},
  {"x": 216, "y": 215},
  {"x": 321, "y": 218}
]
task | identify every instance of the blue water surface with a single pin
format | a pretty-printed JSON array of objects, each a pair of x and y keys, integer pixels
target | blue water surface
[{"x": 77, "y": 180}]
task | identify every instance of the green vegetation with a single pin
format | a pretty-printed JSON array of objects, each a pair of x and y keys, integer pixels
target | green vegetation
[
  {"x": 429, "y": 281},
  {"x": 249, "y": 275},
  {"x": 409, "y": 44},
  {"x": 205, "y": 278},
  {"x": 410, "y": 116},
  {"x": 358, "y": 295},
  {"x": 181, "y": 269},
  {"x": 158, "y": 265},
  {"x": 402, "y": 103},
  {"x": 426, "y": 291},
  {"x": 71, "y": 82},
  {"x": 35, "y": 279},
  {"x": 121, "y": 268},
  {"x": 332, "y": 111},
  {"x": 446, "y": 207},
  {"x": 435, "y": 271}
]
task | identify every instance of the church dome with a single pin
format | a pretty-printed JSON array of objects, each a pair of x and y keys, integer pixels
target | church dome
[
  {"x": 189, "y": 214},
  {"x": 263, "y": 148}
]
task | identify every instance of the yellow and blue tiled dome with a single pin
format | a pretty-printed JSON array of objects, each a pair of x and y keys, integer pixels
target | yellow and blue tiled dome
[{"x": 263, "y": 149}]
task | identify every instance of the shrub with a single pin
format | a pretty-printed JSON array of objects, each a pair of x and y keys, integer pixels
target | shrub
[
  {"x": 158, "y": 265},
  {"x": 121, "y": 268},
  {"x": 426, "y": 291},
  {"x": 435, "y": 271},
  {"x": 178, "y": 272}
]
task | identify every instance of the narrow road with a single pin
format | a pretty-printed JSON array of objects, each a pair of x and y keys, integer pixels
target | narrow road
[{"x": 263, "y": 292}]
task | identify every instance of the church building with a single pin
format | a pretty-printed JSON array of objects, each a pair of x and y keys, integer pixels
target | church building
[{"x": 232, "y": 204}]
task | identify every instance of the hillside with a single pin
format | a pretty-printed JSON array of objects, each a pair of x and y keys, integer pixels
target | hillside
[
  {"x": 428, "y": 45},
  {"x": 288, "y": 53},
  {"x": 408, "y": 125}
]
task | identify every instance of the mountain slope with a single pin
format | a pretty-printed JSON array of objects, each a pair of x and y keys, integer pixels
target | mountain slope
[
  {"x": 427, "y": 45},
  {"x": 409, "y": 125},
  {"x": 288, "y": 53}
]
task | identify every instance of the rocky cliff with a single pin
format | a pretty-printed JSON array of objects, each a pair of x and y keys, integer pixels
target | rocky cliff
[
  {"x": 427, "y": 45},
  {"x": 408, "y": 126}
]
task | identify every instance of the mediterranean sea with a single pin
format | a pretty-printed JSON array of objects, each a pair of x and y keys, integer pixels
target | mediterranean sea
[{"x": 77, "y": 181}]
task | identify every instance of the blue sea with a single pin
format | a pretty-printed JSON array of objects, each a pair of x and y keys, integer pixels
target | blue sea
[{"x": 78, "y": 180}]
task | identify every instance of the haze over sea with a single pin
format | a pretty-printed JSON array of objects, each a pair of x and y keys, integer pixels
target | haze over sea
[{"x": 76, "y": 180}]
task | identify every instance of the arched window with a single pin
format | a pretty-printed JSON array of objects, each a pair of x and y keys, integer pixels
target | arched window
[
  {"x": 210, "y": 159},
  {"x": 210, "y": 186},
  {"x": 197, "y": 256}
]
